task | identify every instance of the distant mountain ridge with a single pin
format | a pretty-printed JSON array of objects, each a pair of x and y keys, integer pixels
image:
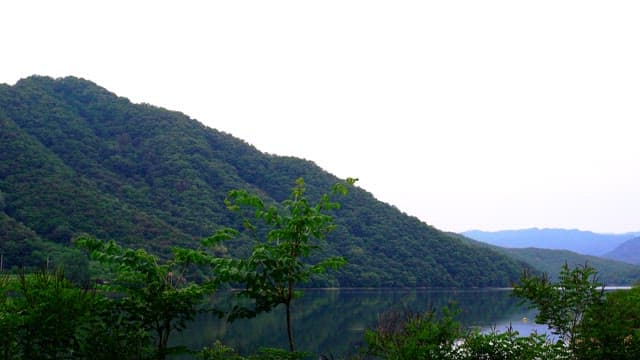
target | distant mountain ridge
[
  {"x": 75, "y": 158},
  {"x": 610, "y": 271},
  {"x": 628, "y": 251},
  {"x": 582, "y": 242}
]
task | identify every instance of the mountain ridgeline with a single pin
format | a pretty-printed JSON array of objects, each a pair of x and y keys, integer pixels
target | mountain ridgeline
[
  {"x": 628, "y": 251},
  {"x": 582, "y": 242},
  {"x": 75, "y": 158},
  {"x": 548, "y": 249}
]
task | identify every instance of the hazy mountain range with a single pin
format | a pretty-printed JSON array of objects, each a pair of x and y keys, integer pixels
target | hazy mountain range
[
  {"x": 610, "y": 271},
  {"x": 628, "y": 251},
  {"x": 582, "y": 242}
]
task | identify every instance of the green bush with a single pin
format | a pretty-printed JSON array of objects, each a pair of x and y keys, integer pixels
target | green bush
[
  {"x": 562, "y": 304},
  {"x": 44, "y": 317},
  {"x": 611, "y": 330},
  {"x": 220, "y": 351},
  {"x": 409, "y": 335},
  {"x": 508, "y": 345}
]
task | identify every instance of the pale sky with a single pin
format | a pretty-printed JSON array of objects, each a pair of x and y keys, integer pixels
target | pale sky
[{"x": 467, "y": 114}]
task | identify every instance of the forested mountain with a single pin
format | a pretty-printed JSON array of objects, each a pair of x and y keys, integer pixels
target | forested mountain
[
  {"x": 628, "y": 251},
  {"x": 582, "y": 242},
  {"x": 75, "y": 158}
]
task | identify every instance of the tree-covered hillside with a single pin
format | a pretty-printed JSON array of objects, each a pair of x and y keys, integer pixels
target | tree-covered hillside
[{"x": 75, "y": 158}]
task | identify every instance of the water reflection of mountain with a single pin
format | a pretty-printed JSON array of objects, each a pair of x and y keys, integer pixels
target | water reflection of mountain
[{"x": 328, "y": 321}]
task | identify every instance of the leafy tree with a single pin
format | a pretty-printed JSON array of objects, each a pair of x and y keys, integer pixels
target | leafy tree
[
  {"x": 277, "y": 265},
  {"x": 563, "y": 304},
  {"x": 281, "y": 261},
  {"x": 156, "y": 296}
]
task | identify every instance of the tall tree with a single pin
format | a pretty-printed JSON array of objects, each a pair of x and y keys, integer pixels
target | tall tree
[{"x": 282, "y": 259}]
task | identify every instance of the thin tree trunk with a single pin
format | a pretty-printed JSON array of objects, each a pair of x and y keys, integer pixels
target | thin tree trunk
[
  {"x": 288, "y": 308},
  {"x": 159, "y": 346},
  {"x": 289, "y": 332}
]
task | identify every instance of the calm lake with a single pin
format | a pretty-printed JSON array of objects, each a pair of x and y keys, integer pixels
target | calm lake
[{"x": 333, "y": 321}]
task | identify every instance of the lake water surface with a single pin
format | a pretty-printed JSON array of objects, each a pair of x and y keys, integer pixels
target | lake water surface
[{"x": 333, "y": 321}]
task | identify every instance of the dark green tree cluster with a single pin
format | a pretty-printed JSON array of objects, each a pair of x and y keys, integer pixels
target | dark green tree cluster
[
  {"x": 157, "y": 298},
  {"x": 611, "y": 328},
  {"x": 592, "y": 323},
  {"x": 45, "y": 316}
]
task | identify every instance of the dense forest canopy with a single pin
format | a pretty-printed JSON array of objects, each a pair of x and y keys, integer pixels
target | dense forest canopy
[{"x": 75, "y": 158}]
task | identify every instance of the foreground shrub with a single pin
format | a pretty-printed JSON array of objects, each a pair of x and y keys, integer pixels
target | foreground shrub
[
  {"x": 409, "y": 335},
  {"x": 508, "y": 345},
  {"x": 562, "y": 304},
  {"x": 611, "y": 330},
  {"x": 44, "y": 318},
  {"x": 219, "y": 351}
]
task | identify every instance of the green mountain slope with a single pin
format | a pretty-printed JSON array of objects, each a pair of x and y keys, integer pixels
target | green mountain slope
[
  {"x": 18, "y": 243},
  {"x": 76, "y": 158}
]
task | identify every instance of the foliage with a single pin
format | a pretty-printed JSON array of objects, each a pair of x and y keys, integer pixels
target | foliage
[
  {"x": 111, "y": 334},
  {"x": 278, "y": 354},
  {"x": 611, "y": 329},
  {"x": 282, "y": 261},
  {"x": 19, "y": 245},
  {"x": 562, "y": 305},
  {"x": 408, "y": 335},
  {"x": 43, "y": 315},
  {"x": 218, "y": 351},
  {"x": 8, "y": 320},
  {"x": 156, "y": 298},
  {"x": 46, "y": 317},
  {"x": 221, "y": 352},
  {"x": 508, "y": 345},
  {"x": 75, "y": 158}
]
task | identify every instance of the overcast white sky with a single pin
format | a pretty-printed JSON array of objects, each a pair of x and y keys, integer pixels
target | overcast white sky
[{"x": 467, "y": 114}]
